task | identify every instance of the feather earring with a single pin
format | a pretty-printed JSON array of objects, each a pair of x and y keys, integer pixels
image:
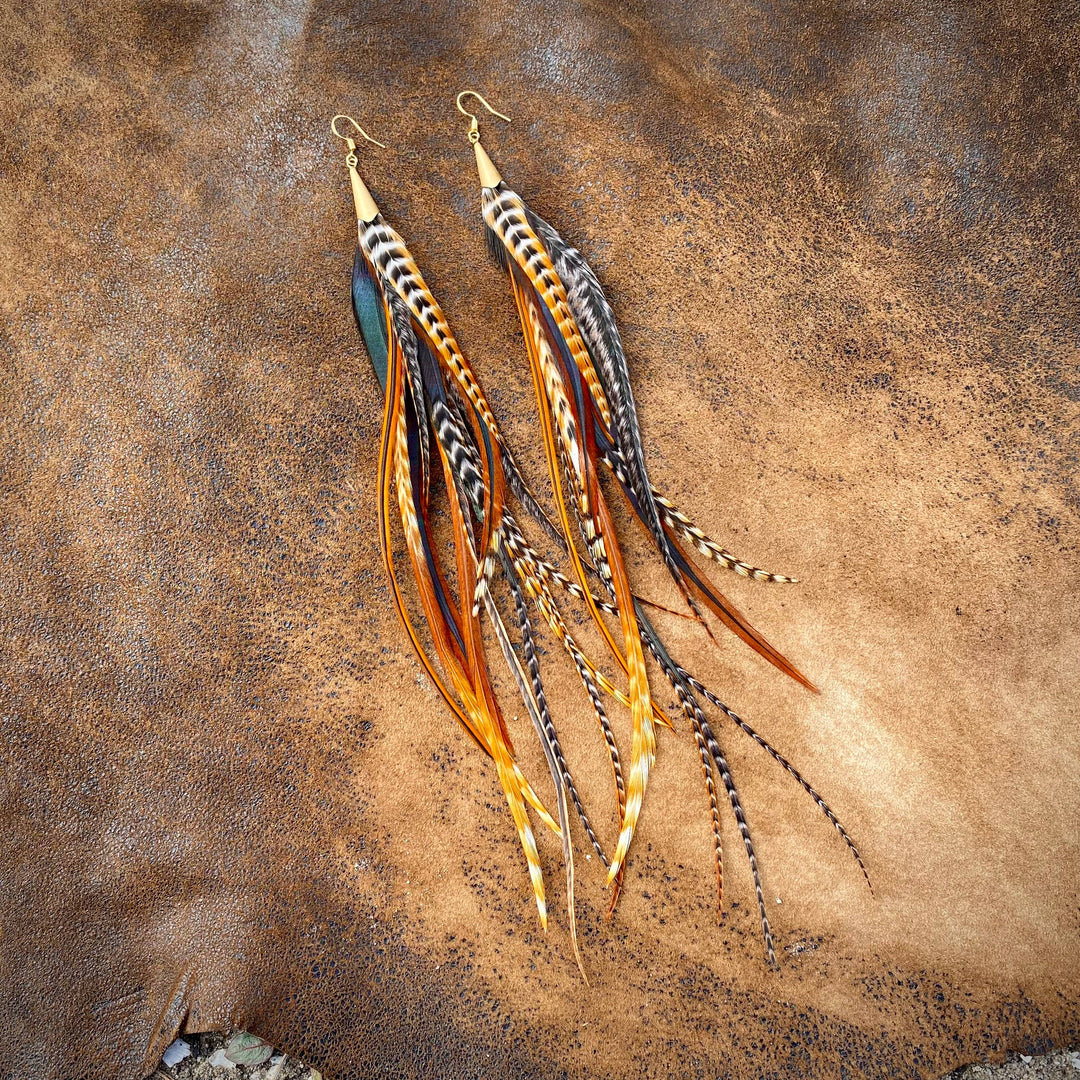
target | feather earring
[
  {"x": 589, "y": 422},
  {"x": 441, "y": 444}
]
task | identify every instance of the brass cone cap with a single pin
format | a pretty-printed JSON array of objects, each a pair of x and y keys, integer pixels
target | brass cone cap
[
  {"x": 489, "y": 175},
  {"x": 366, "y": 210}
]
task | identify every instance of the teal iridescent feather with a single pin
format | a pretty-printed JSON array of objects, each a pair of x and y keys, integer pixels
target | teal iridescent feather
[{"x": 370, "y": 316}]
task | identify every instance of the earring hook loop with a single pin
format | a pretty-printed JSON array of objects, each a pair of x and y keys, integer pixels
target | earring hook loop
[
  {"x": 349, "y": 141},
  {"x": 474, "y": 126}
]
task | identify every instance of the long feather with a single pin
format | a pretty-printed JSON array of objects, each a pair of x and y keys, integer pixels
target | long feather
[
  {"x": 676, "y": 520},
  {"x": 561, "y": 422}
]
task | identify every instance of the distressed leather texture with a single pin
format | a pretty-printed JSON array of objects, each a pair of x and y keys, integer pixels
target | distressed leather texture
[{"x": 840, "y": 239}]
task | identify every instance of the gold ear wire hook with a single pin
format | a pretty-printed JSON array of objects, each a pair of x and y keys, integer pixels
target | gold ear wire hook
[
  {"x": 474, "y": 126},
  {"x": 349, "y": 142},
  {"x": 366, "y": 210}
]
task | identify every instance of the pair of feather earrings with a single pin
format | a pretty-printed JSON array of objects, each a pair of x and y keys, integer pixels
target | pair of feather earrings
[{"x": 442, "y": 447}]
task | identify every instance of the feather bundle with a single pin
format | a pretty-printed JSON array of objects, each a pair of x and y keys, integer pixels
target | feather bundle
[
  {"x": 439, "y": 437},
  {"x": 443, "y": 456},
  {"x": 589, "y": 419}
]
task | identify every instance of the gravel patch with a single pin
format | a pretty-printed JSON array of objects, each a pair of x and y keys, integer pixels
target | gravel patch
[
  {"x": 203, "y": 1057},
  {"x": 1060, "y": 1065}
]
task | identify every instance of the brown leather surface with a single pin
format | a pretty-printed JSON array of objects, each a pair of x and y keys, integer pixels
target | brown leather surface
[{"x": 841, "y": 241}]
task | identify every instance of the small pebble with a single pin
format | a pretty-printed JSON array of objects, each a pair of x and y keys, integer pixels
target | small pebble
[
  {"x": 176, "y": 1053},
  {"x": 220, "y": 1061}
]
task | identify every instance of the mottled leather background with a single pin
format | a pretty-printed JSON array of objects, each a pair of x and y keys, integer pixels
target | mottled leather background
[{"x": 841, "y": 242}]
